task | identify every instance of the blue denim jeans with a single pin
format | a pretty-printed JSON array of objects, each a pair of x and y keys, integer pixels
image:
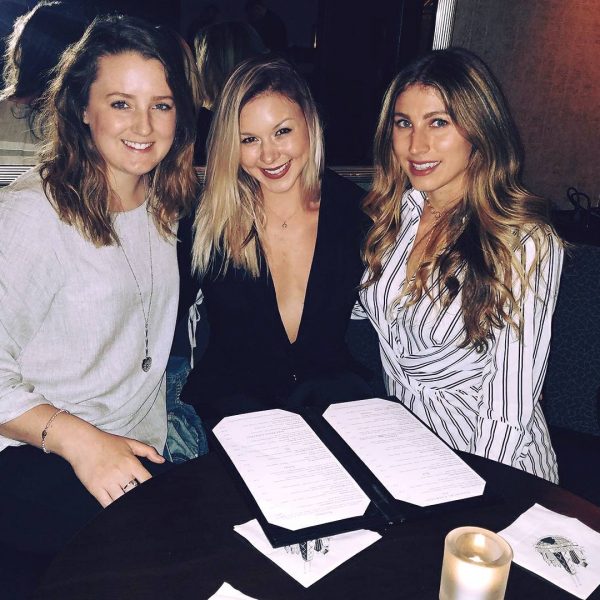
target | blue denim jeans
[{"x": 186, "y": 437}]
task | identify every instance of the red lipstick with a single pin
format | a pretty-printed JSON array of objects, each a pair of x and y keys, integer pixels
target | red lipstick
[{"x": 277, "y": 172}]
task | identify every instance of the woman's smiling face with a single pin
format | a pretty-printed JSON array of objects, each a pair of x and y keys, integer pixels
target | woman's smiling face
[
  {"x": 131, "y": 115},
  {"x": 428, "y": 146},
  {"x": 274, "y": 143}
]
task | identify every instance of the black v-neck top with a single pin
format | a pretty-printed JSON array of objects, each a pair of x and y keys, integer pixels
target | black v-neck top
[{"x": 249, "y": 357}]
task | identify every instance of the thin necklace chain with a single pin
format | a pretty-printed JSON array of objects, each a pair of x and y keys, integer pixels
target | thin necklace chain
[
  {"x": 424, "y": 241},
  {"x": 284, "y": 224},
  {"x": 147, "y": 362},
  {"x": 436, "y": 213}
]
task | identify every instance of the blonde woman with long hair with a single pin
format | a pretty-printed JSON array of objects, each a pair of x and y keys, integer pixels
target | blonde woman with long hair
[
  {"x": 276, "y": 248},
  {"x": 463, "y": 266}
]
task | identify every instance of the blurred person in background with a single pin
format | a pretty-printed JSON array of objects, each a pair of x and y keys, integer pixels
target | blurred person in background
[
  {"x": 33, "y": 49},
  {"x": 219, "y": 48},
  {"x": 268, "y": 24}
]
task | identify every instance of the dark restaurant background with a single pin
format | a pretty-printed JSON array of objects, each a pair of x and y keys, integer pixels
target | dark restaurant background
[{"x": 545, "y": 53}]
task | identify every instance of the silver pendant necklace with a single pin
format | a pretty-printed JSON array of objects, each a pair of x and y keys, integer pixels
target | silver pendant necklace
[{"x": 147, "y": 361}]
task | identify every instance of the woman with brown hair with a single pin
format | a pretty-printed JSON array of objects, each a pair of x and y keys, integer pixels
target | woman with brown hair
[
  {"x": 463, "y": 265},
  {"x": 88, "y": 292}
]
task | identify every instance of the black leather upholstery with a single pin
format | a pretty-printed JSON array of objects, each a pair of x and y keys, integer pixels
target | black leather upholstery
[{"x": 572, "y": 387}]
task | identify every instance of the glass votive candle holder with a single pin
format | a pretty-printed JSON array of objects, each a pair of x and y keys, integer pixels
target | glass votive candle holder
[{"x": 476, "y": 565}]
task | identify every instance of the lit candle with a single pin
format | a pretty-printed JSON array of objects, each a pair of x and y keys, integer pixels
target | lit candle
[{"x": 476, "y": 564}]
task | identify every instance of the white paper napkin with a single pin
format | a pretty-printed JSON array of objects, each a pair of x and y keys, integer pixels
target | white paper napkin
[
  {"x": 308, "y": 562},
  {"x": 561, "y": 549},
  {"x": 227, "y": 592}
]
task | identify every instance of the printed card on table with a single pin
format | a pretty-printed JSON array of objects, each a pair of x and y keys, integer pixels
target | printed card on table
[
  {"x": 310, "y": 561},
  {"x": 561, "y": 549}
]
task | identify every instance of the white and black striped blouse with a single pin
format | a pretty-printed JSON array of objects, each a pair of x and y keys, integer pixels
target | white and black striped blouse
[{"x": 486, "y": 403}]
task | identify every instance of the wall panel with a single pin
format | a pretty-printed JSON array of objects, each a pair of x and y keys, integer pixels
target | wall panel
[{"x": 546, "y": 54}]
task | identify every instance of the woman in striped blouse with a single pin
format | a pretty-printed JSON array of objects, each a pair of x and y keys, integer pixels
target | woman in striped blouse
[{"x": 463, "y": 266}]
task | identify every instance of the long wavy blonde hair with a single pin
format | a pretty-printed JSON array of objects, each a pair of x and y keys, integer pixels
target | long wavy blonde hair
[
  {"x": 74, "y": 174},
  {"x": 231, "y": 214},
  {"x": 482, "y": 235}
]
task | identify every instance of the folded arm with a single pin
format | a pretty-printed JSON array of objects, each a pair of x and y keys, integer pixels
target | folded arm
[{"x": 30, "y": 277}]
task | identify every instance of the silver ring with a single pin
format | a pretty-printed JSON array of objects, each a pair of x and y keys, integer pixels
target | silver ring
[{"x": 132, "y": 484}]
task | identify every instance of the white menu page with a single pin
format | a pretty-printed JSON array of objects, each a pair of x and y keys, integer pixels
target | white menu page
[
  {"x": 295, "y": 480},
  {"x": 408, "y": 459}
]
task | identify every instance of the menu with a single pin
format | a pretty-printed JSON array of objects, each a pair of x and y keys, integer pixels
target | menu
[
  {"x": 294, "y": 478},
  {"x": 359, "y": 464},
  {"x": 407, "y": 458}
]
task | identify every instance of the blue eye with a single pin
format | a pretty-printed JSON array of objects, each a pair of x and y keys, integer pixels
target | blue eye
[
  {"x": 163, "y": 106},
  {"x": 402, "y": 123},
  {"x": 119, "y": 104},
  {"x": 439, "y": 122}
]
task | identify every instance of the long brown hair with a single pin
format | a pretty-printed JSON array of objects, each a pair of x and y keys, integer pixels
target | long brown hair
[
  {"x": 73, "y": 172},
  {"x": 482, "y": 234}
]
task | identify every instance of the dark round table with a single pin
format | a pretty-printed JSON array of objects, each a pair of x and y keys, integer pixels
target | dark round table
[{"x": 173, "y": 538}]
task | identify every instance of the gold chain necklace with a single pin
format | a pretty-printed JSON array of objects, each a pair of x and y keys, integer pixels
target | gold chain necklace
[
  {"x": 284, "y": 224},
  {"x": 426, "y": 239},
  {"x": 437, "y": 215}
]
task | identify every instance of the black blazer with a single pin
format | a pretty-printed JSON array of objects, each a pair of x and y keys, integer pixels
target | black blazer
[{"x": 250, "y": 362}]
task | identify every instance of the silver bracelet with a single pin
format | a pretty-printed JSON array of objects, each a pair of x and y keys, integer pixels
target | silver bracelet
[{"x": 48, "y": 425}]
